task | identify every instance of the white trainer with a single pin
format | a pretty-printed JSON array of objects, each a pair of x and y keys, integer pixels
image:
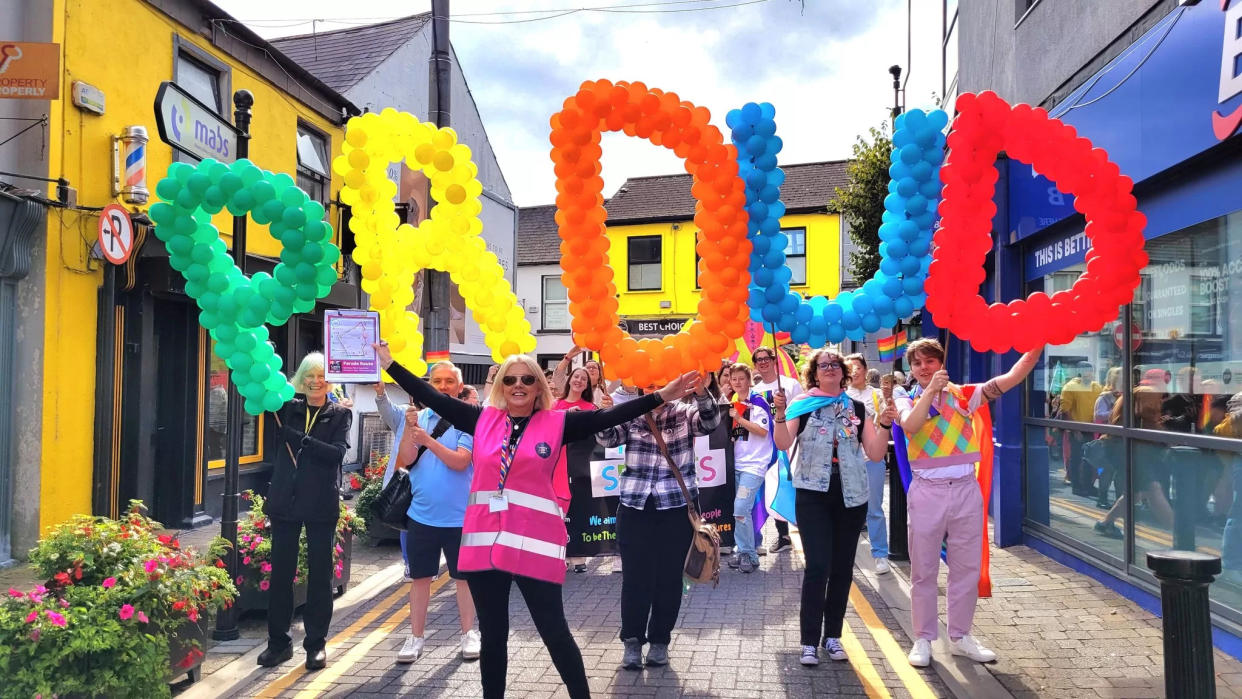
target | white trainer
[
  {"x": 471, "y": 642},
  {"x": 971, "y": 648},
  {"x": 882, "y": 566},
  {"x": 920, "y": 655},
  {"x": 410, "y": 650}
]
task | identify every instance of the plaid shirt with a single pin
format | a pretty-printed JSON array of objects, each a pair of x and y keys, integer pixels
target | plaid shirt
[{"x": 646, "y": 472}]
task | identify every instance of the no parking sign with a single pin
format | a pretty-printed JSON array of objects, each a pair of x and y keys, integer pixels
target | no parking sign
[{"x": 116, "y": 234}]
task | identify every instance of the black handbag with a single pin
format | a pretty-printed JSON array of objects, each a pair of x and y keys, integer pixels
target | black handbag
[{"x": 394, "y": 500}]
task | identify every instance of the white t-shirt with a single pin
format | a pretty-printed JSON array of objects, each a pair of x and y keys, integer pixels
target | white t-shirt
[
  {"x": 752, "y": 453},
  {"x": 873, "y": 398},
  {"x": 788, "y": 385}
]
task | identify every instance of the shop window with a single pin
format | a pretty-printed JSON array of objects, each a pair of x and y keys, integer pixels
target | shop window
[
  {"x": 795, "y": 254},
  {"x": 313, "y": 174},
  {"x": 555, "y": 304},
  {"x": 205, "y": 77},
  {"x": 217, "y": 417},
  {"x": 644, "y": 262}
]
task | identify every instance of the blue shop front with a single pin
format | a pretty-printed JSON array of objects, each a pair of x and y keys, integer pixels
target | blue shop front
[{"x": 1129, "y": 439}]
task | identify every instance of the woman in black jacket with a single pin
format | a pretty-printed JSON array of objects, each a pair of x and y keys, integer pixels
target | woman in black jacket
[{"x": 312, "y": 439}]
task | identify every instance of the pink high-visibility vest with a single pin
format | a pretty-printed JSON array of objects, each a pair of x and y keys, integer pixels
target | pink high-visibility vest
[{"x": 528, "y": 537}]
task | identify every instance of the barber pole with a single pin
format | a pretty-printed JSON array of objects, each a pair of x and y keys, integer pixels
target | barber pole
[{"x": 133, "y": 142}]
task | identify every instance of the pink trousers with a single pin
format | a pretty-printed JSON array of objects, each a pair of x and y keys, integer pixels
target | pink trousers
[{"x": 944, "y": 510}]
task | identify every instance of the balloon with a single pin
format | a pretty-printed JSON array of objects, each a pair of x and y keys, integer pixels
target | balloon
[
  {"x": 233, "y": 307},
  {"x": 985, "y": 124},
  {"x": 906, "y": 233},
  {"x": 718, "y": 187}
]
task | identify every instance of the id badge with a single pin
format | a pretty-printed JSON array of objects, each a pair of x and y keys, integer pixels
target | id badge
[{"x": 497, "y": 503}]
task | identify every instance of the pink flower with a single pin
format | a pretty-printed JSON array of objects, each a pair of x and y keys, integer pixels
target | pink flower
[
  {"x": 265, "y": 567},
  {"x": 142, "y": 617},
  {"x": 127, "y": 611},
  {"x": 109, "y": 582},
  {"x": 40, "y": 590},
  {"x": 240, "y": 579},
  {"x": 338, "y": 572},
  {"x": 263, "y": 585},
  {"x": 151, "y": 565},
  {"x": 16, "y": 593},
  {"x": 56, "y": 618},
  {"x": 246, "y": 560},
  {"x": 30, "y": 618},
  {"x": 64, "y": 604},
  {"x": 34, "y": 635}
]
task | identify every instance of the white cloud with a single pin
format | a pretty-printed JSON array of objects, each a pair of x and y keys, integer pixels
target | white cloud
[{"x": 824, "y": 69}]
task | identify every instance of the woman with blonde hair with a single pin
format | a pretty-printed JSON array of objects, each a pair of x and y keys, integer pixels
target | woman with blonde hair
[
  {"x": 313, "y": 432},
  {"x": 514, "y": 530}
]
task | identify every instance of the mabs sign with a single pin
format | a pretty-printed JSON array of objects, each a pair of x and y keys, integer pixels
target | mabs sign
[{"x": 192, "y": 127}]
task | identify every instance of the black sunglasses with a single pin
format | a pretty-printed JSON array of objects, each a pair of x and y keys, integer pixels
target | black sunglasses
[
  {"x": 527, "y": 380},
  {"x": 828, "y": 366}
]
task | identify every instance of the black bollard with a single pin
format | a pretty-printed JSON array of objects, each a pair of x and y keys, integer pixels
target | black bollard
[
  {"x": 898, "y": 546},
  {"x": 1189, "y": 665}
]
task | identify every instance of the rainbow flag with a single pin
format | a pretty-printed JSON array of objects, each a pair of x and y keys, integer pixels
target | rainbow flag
[
  {"x": 892, "y": 347},
  {"x": 438, "y": 356}
]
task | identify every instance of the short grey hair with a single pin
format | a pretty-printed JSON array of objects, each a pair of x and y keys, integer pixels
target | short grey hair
[
  {"x": 310, "y": 362},
  {"x": 445, "y": 364}
]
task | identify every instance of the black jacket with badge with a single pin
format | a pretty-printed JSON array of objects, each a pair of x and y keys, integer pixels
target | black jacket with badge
[{"x": 309, "y": 491}]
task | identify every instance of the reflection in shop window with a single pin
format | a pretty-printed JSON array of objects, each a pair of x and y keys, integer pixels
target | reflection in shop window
[{"x": 217, "y": 417}]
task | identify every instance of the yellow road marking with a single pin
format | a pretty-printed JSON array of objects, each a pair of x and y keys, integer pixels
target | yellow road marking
[
  {"x": 872, "y": 684},
  {"x": 280, "y": 684},
  {"x": 324, "y": 678},
  {"x": 914, "y": 682}
]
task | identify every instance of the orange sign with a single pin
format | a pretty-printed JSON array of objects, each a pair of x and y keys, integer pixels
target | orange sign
[{"x": 29, "y": 70}]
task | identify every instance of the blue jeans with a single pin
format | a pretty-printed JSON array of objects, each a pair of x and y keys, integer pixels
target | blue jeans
[
  {"x": 743, "y": 530},
  {"x": 877, "y": 528}
]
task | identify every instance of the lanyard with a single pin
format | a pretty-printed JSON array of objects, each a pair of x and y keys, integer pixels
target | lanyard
[
  {"x": 508, "y": 449},
  {"x": 310, "y": 421}
]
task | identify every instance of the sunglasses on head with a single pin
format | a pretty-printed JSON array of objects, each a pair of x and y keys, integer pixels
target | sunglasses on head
[
  {"x": 527, "y": 380},
  {"x": 828, "y": 366}
]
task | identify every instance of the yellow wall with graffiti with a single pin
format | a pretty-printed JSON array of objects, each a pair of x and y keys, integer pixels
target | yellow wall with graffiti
[
  {"x": 823, "y": 263},
  {"x": 81, "y": 152}
]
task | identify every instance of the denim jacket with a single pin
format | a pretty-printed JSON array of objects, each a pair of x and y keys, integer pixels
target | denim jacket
[{"x": 813, "y": 466}]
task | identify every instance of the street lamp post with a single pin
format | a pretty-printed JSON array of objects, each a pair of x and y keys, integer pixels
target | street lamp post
[
  {"x": 226, "y": 619},
  {"x": 898, "y": 544}
]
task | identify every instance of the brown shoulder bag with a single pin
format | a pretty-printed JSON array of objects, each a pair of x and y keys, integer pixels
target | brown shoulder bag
[{"x": 703, "y": 559}]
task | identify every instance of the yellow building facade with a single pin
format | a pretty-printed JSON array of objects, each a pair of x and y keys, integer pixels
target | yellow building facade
[
  {"x": 107, "y": 340},
  {"x": 653, "y": 236}
]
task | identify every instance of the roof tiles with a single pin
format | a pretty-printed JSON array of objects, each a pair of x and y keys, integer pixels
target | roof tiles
[{"x": 343, "y": 57}]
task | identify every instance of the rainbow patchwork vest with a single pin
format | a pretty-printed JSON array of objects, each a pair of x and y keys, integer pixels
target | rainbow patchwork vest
[{"x": 949, "y": 437}]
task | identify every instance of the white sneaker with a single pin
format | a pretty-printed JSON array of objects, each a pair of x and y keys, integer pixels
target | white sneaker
[
  {"x": 882, "y": 566},
  {"x": 410, "y": 650},
  {"x": 471, "y": 642},
  {"x": 969, "y": 647},
  {"x": 920, "y": 655}
]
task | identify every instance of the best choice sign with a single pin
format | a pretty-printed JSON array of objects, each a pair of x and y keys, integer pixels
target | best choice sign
[
  {"x": 192, "y": 127},
  {"x": 29, "y": 71}
]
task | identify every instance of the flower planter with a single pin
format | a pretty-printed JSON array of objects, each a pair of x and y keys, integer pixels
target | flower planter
[
  {"x": 187, "y": 647},
  {"x": 252, "y": 598}
]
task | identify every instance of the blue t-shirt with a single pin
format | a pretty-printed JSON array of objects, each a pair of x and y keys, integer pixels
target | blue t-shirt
[{"x": 440, "y": 494}]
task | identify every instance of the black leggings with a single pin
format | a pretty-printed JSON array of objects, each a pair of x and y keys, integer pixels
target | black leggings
[
  {"x": 490, "y": 590},
  {"x": 830, "y": 533},
  {"x": 317, "y": 614}
]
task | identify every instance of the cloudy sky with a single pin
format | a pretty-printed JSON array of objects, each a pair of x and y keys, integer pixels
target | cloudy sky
[{"x": 822, "y": 63}]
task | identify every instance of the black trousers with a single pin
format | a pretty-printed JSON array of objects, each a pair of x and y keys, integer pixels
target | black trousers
[
  {"x": 653, "y": 547},
  {"x": 829, "y": 533},
  {"x": 490, "y": 590},
  {"x": 317, "y": 615},
  {"x": 782, "y": 529}
]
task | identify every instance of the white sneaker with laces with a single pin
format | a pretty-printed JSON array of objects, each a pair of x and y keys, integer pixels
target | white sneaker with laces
[
  {"x": 882, "y": 566},
  {"x": 410, "y": 650},
  {"x": 471, "y": 642},
  {"x": 920, "y": 655},
  {"x": 971, "y": 648}
]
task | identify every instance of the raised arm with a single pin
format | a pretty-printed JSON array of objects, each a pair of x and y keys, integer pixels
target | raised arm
[
  {"x": 389, "y": 413},
  {"x": 459, "y": 413},
  {"x": 583, "y": 424},
  {"x": 1018, "y": 372}
]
